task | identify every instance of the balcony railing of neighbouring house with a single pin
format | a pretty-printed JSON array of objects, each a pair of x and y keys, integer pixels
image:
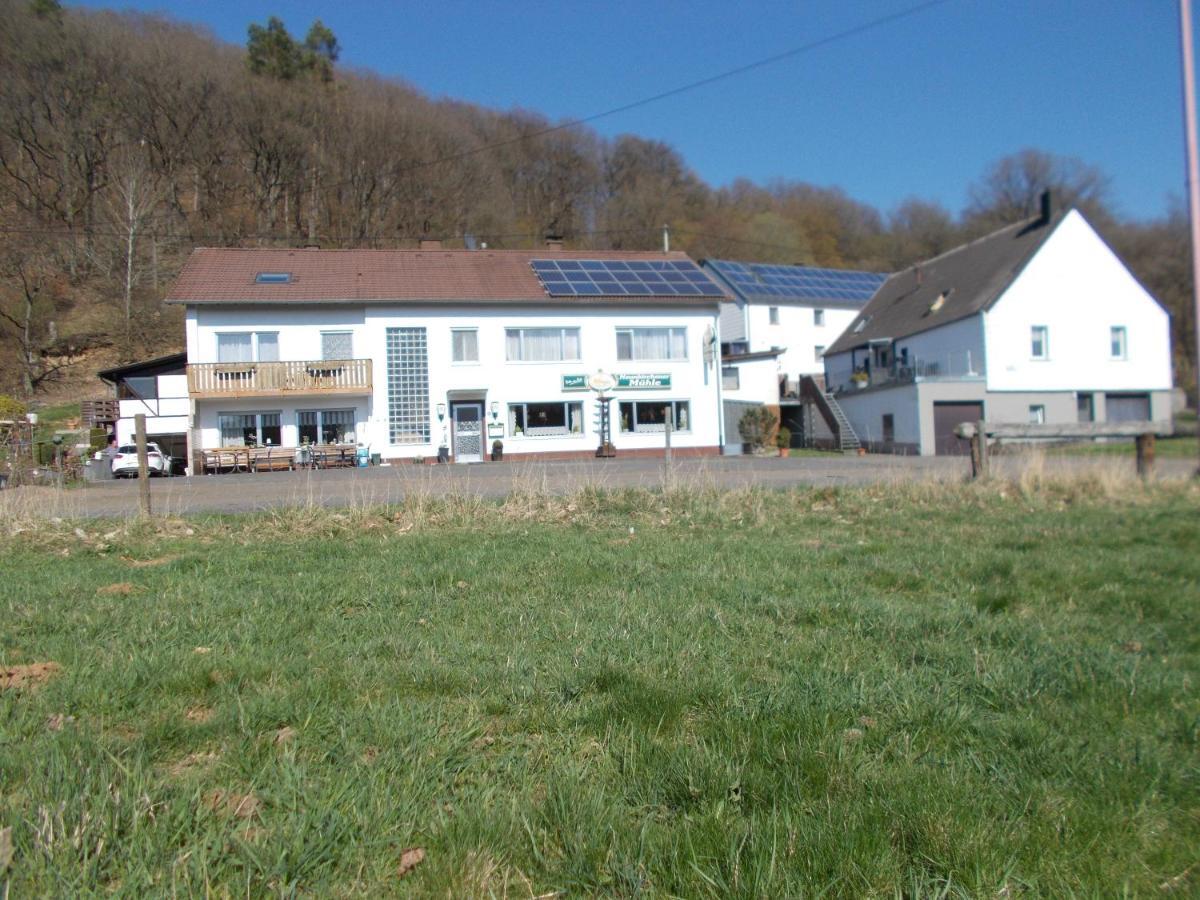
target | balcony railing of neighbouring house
[
  {"x": 957, "y": 366},
  {"x": 256, "y": 379}
]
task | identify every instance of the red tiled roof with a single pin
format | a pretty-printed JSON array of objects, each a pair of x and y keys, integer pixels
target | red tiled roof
[{"x": 226, "y": 275}]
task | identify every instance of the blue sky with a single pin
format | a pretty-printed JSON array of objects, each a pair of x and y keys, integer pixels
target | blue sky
[{"x": 916, "y": 107}]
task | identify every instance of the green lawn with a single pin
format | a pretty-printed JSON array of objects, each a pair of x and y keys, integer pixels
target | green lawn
[{"x": 956, "y": 691}]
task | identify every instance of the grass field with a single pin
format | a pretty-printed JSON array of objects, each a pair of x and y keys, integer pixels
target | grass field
[{"x": 927, "y": 691}]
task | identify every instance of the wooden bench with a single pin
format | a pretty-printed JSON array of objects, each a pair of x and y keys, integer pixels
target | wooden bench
[{"x": 272, "y": 459}]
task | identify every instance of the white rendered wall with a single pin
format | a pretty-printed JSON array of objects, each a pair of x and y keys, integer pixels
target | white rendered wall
[
  {"x": 1077, "y": 287},
  {"x": 492, "y": 379},
  {"x": 758, "y": 381},
  {"x": 865, "y": 410},
  {"x": 797, "y": 332}
]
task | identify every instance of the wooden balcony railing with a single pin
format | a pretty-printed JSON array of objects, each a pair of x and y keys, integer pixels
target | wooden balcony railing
[{"x": 260, "y": 379}]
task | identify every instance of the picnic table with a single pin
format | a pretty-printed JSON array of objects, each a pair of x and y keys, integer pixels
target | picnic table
[{"x": 273, "y": 459}]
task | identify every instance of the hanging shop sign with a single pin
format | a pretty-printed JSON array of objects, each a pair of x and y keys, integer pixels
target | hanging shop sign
[{"x": 574, "y": 382}]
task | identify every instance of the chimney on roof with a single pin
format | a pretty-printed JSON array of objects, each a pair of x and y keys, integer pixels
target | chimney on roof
[
  {"x": 554, "y": 242},
  {"x": 1047, "y": 206},
  {"x": 431, "y": 244}
]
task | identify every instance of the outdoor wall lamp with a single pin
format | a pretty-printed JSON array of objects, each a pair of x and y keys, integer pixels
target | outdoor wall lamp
[
  {"x": 495, "y": 410},
  {"x": 441, "y": 408}
]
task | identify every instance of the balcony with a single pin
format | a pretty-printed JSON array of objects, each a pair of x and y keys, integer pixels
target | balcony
[{"x": 265, "y": 379}]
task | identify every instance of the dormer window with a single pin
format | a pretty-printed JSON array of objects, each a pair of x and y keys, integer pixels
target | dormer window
[
  {"x": 862, "y": 323},
  {"x": 273, "y": 278},
  {"x": 939, "y": 302}
]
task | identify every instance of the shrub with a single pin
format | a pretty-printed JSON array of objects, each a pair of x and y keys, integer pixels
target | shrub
[
  {"x": 756, "y": 426},
  {"x": 11, "y": 408},
  {"x": 783, "y": 438}
]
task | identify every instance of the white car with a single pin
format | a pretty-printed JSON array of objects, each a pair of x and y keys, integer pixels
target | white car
[{"x": 125, "y": 463}]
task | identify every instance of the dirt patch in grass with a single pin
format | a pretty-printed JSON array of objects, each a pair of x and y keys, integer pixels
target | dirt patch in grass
[
  {"x": 192, "y": 762},
  {"x": 119, "y": 589},
  {"x": 29, "y": 677},
  {"x": 230, "y": 803},
  {"x": 147, "y": 563},
  {"x": 199, "y": 714}
]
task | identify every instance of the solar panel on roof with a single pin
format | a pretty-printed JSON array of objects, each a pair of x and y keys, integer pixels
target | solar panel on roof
[
  {"x": 799, "y": 282},
  {"x": 639, "y": 278}
]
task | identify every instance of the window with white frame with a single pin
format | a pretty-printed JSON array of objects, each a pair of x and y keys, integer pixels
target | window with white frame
[
  {"x": 325, "y": 426},
  {"x": 337, "y": 345},
  {"x": 729, "y": 378},
  {"x": 653, "y": 415},
  {"x": 1116, "y": 342},
  {"x": 464, "y": 345},
  {"x": 541, "y": 344},
  {"x": 247, "y": 346},
  {"x": 545, "y": 419},
  {"x": 1037, "y": 414},
  {"x": 651, "y": 343},
  {"x": 250, "y": 429},
  {"x": 818, "y": 352},
  {"x": 1039, "y": 342},
  {"x": 818, "y": 317},
  {"x": 773, "y": 315}
]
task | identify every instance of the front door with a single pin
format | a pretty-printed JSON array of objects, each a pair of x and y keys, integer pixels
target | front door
[{"x": 467, "y": 426}]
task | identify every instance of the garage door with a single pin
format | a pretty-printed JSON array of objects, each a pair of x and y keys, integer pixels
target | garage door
[
  {"x": 947, "y": 417},
  {"x": 1127, "y": 407}
]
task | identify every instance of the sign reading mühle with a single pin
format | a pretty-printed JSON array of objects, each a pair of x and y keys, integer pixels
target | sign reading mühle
[
  {"x": 623, "y": 382},
  {"x": 643, "y": 382}
]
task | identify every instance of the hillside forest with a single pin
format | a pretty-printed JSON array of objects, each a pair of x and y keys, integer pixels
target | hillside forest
[{"x": 126, "y": 140}]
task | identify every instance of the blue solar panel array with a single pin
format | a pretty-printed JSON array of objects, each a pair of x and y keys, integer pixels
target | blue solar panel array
[
  {"x": 798, "y": 282},
  {"x": 618, "y": 278}
]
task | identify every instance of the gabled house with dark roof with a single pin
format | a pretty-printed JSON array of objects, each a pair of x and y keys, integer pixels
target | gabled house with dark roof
[
  {"x": 404, "y": 352},
  {"x": 1037, "y": 322}
]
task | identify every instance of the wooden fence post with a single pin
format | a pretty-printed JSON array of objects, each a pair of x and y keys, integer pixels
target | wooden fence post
[
  {"x": 984, "y": 462},
  {"x": 139, "y": 424},
  {"x": 667, "y": 430},
  {"x": 1145, "y": 455}
]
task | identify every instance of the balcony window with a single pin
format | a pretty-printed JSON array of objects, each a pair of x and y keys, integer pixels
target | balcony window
[
  {"x": 256, "y": 429},
  {"x": 248, "y": 346},
  {"x": 337, "y": 345},
  {"x": 464, "y": 345},
  {"x": 545, "y": 419},
  {"x": 641, "y": 416},
  {"x": 651, "y": 343},
  {"x": 541, "y": 344}
]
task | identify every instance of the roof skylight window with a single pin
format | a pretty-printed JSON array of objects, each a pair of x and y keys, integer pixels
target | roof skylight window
[
  {"x": 273, "y": 278},
  {"x": 862, "y": 323}
]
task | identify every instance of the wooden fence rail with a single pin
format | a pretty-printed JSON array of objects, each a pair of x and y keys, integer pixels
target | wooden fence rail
[
  {"x": 326, "y": 376},
  {"x": 1143, "y": 431}
]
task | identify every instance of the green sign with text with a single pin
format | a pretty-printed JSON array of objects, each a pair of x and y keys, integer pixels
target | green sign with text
[
  {"x": 643, "y": 382},
  {"x": 574, "y": 383}
]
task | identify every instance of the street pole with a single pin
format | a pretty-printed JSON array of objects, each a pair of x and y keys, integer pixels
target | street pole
[{"x": 1193, "y": 178}]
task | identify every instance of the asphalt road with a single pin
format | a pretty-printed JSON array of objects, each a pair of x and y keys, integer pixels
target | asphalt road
[{"x": 391, "y": 484}]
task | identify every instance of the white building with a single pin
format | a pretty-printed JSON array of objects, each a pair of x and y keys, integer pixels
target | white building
[
  {"x": 157, "y": 389},
  {"x": 408, "y": 351},
  {"x": 1037, "y": 322},
  {"x": 774, "y": 336}
]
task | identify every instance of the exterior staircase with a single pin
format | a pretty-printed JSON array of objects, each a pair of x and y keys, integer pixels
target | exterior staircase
[{"x": 835, "y": 418}]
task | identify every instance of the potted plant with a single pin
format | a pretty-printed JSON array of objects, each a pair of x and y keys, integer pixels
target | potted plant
[
  {"x": 497, "y": 451},
  {"x": 783, "y": 440},
  {"x": 861, "y": 378}
]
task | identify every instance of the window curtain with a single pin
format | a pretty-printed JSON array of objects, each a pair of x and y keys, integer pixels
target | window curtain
[
  {"x": 235, "y": 348},
  {"x": 268, "y": 346},
  {"x": 543, "y": 345},
  {"x": 336, "y": 345},
  {"x": 466, "y": 346}
]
